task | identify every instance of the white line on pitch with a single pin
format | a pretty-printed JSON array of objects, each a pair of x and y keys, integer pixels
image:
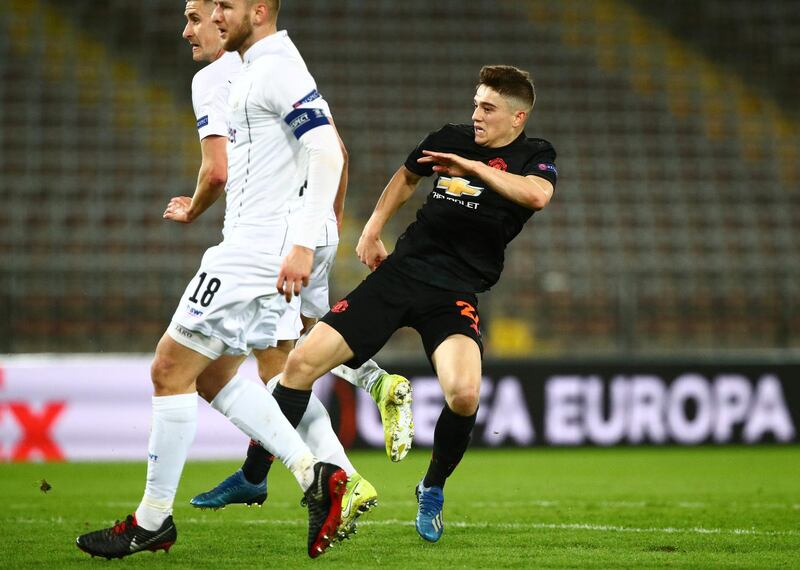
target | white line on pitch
[
  {"x": 564, "y": 526},
  {"x": 619, "y": 504},
  {"x": 545, "y": 504},
  {"x": 460, "y": 524}
]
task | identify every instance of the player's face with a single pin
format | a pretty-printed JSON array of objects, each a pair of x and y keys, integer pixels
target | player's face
[
  {"x": 232, "y": 18},
  {"x": 494, "y": 120},
  {"x": 200, "y": 32}
]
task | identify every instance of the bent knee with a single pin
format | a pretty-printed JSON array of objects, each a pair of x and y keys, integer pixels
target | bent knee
[
  {"x": 464, "y": 401},
  {"x": 298, "y": 365},
  {"x": 162, "y": 372}
]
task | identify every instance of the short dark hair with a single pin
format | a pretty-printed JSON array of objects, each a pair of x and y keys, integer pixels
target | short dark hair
[{"x": 509, "y": 81}]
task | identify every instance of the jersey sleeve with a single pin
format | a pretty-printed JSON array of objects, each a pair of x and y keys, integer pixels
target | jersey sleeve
[
  {"x": 210, "y": 102},
  {"x": 430, "y": 142},
  {"x": 297, "y": 101},
  {"x": 543, "y": 165}
]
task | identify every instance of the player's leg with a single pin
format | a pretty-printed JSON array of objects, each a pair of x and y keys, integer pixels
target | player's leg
[
  {"x": 174, "y": 371},
  {"x": 248, "y": 485},
  {"x": 315, "y": 304},
  {"x": 323, "y": 349},
  {"x": 235, "y": 489},
  {"x": 271, "y": 362},
  {"x": 234, "y": 280},
  {"x": 174, "y": 423},
  {"x": 391, "y": 392},
  {"x": 449, "y": 326},
  {"x": 458, "y": 365},
  {"x": 349, "y": 336},
  {"x": 183, "y": 352},
  {"x": 253, "y": 409},
  {"x": 316, "y": 430},
  {"x": 392, "y": 395}
]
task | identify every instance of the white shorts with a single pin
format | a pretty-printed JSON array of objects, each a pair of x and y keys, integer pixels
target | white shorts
[
  {"x": 314, "y": 299},
  {"x": 290, "y": 325},
  {"x": 231, "y": 303}
]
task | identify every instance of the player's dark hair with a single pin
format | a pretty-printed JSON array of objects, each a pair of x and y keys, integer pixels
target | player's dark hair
[{"x": 509, "y": 81}]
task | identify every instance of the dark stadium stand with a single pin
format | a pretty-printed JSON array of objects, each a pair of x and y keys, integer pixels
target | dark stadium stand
[{"x": 673, "y": 228}]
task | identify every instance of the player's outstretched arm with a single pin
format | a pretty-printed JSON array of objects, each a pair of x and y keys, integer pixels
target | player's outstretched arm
[
  {"x": 370, "y": 248},
  {"x": 211, "y": 180},
  {"x": 529, "y": 191}
]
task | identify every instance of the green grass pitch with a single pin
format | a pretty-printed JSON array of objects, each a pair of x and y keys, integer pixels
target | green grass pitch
[{"x": 706, "y": 507}]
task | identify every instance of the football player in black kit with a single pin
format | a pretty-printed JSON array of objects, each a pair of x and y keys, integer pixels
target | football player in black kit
[{"x": 490, "y": 179}]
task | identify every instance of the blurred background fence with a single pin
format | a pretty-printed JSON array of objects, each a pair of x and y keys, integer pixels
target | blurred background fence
[{"x": 673, "y": 228}]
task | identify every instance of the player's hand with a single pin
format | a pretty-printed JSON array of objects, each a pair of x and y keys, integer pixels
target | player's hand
[
  {"x": 448, "y": 163},
  {"x": 294, "y": 272},
  {"x": 178, "y": 210},
  {"x": 371, "y": 251}
]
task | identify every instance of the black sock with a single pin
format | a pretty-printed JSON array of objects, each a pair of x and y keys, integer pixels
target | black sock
[
  {"x": 450, "y": 440},
  {"x": 293, "y": 403},
  {"x": 257, "y": 463}
]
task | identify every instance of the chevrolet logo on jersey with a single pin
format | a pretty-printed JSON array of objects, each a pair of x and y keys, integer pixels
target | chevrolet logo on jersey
[{"x": 458, "y": 187}]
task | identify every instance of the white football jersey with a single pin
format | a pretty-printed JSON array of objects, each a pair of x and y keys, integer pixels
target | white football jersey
[
  {"x": 210, "y": 88},
  {"x": 273, "y": 101}
]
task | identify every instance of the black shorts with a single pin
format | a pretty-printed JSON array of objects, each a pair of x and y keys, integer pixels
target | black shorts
[{"x": 387, "y": 300}]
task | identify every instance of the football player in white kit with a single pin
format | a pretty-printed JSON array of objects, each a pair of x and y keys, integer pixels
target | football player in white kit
[
  {"x": 278, "y": 142},
  {"x": 248, "y": 485}
]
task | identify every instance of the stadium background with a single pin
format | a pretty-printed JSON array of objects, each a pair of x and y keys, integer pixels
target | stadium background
[
  {"x": 673, "y": 228},
  {"x": 670, "y": 250},
  {"x": 655, "y": 302}
]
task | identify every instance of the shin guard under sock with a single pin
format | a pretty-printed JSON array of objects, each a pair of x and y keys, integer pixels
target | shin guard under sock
[
  {"x": 293, "y": 403},
  {"x": 450, "y": 441}
]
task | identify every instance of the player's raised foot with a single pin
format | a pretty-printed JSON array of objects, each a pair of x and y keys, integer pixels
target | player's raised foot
[
  {"x": 359, "y": 498},
  {"x": 233, "y": 490},
  {"x": 430, "y": 504},
  {"x": 392, "y": 393},
  {"x": 126, "y": 538},
  {"x": 324, "y": 501}
]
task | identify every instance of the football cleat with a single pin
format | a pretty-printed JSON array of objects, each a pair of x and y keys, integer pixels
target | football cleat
[
  {"x": 392, "y": 393},
  {"x": 359, "y": 498},
  {"x": 430, "y": 504},
  {"x": 233, "y": 490},
  {"x": 126, "y": 538},
  {"x": 324, "y": 501}
]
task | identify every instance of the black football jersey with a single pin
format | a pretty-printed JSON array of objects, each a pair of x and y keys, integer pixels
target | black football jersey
[{"x": 459, "y": 238}]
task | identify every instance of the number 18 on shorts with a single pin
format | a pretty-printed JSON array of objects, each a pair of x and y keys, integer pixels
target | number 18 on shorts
[{"x": 232, "y": 299}]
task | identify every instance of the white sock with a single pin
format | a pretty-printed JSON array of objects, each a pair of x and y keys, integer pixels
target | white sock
[
  {"x": 303, "y": 470},
  {"x": 363, "y": 377},
  {"x": 254, "y": 411},
  {"x": 174, "y": 424},
  {"x": 316, "y": 430}
]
